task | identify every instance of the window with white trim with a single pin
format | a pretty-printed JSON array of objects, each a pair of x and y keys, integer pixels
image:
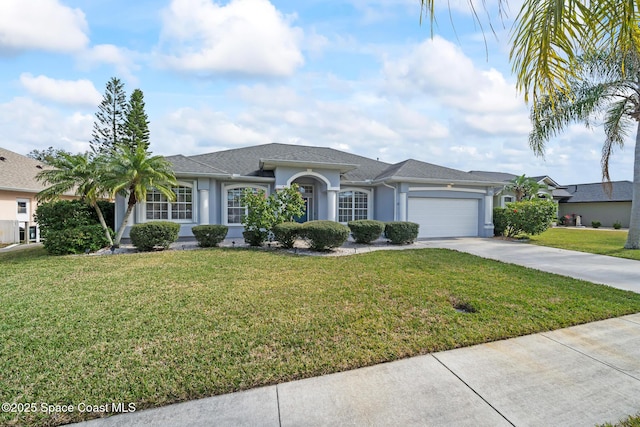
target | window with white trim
[
  {"x": 234, "y": 207},
  {"x": 353, "y": 205},
  {"x": 158, "y": 206},
  {"x": 507, "y": 199}
]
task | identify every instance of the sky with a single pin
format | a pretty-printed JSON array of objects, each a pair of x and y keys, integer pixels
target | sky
[{"x": 362, "y": 76}]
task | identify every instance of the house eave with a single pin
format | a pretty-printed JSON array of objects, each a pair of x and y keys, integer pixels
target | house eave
[{"x": 400, "y": 179}]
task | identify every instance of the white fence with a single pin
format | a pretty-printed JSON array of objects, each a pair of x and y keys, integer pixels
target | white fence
[{"x": 9, "y": 231}]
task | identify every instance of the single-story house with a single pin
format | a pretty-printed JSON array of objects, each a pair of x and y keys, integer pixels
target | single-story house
[
  {"x": 335, "y": 185},
  {"x": 593, "y": 203},
  {"x": 18, "y": 188}
]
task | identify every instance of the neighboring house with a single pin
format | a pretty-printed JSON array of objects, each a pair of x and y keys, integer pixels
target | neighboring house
[
  {"x": 18, "y": 187},
  {"x": 548, "y": 187},
  {"x": 335, "y": 185},
  {"x": 592, "y": 203}
]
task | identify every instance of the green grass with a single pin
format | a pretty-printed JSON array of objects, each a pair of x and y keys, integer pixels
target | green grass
[
  {"x": 631, "y": 421},
  {"x": 603, "y": 242},
  {"x": 159, "y": 328}
]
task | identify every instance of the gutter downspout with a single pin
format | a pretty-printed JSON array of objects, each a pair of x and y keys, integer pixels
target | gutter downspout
[{"x": 395, "y": 200}]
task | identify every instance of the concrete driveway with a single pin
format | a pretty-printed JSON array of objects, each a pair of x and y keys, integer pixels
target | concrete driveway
[{"x": 616, "y": 272}]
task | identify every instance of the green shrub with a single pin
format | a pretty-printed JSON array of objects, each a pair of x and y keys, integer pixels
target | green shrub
[
  {"x": 75, "y": 240},
  {"x": 209, "y": 235},
  {"x": 154, "y": 234},
  {"x": 255, "y": 237},
  {"x": 323, "y": 235},
  {"x": 366, "y": 230},
  {"x": 63, "y": 215},
  {"x": 286, "y": 233},
  {"x": 617, "y": 225},
  {"x": 499, "y": 221},
  {"x": 401, "y": 232},
  {"x": 596, "y": 224},
  {"x": 529, "y": 217}
]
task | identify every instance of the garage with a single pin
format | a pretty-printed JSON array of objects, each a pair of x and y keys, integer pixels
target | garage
[{"x": 441, "y": 217}]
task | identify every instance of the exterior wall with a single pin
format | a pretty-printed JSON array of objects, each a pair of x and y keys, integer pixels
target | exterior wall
[
  {"x": 605, "y": 212},
  {"x": 12, "y": 221},
  {"x": 385, "y": 204}
]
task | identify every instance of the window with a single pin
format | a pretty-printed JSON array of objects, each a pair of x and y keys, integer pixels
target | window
[
  {"x": 22, "y": 207},
  {"x": 507, "y": 199},
  {"x": 235, "y": 209},
  {"x": 353, "y": 205},
  {"x": 159, "y": 208}
]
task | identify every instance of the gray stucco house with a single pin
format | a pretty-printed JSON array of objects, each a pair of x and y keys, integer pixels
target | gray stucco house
[
  {"x": 592, "y": 203},
  {"x": 335, "y": 185}
]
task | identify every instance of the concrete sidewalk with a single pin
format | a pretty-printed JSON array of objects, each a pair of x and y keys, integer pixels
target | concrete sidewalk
[{"x": 579, "y": 376}]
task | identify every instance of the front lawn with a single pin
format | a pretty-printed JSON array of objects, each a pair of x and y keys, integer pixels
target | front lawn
[
  {"x": 603, "y": 242},
  {"x": 153, "y": 329}
]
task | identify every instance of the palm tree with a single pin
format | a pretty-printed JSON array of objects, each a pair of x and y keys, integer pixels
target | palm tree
[
  {"x": 78, "y": 173},
  {"x": 523, "y": 187},
  {"x": 606, "y": 86},
  {"x": 548, "y": 39},
  {"x": 131, "y": 172}
]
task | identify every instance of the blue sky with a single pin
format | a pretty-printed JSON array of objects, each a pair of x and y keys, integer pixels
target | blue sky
[{"x": 357, "y": 75}]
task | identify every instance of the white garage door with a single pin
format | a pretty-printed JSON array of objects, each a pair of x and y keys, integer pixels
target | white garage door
[{"x": 444, "y": 217}]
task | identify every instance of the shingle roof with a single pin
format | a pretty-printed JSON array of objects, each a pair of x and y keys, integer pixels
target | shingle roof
[
  {"x": 246, "y": 161},
  {"x": 182, "y": 164},
  {"x": 496, "y": 176},
  {"x": 18, "y": 172},
  {"x": 622, "y": 191},
  {"x": 415, "y": 169}
]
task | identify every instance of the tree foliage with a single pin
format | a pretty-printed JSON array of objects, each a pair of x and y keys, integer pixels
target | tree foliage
[
  {"x": 137, "y": 122},
  {"x": 109, "y": 128},
  {"x": 80, "y": 174},
  {"x": 605, "y": 88},
  {"x": 47, "y": 155},
  {"x": 132, "y": 173},
  {"x": 264, "y": 212},
  {"x": 523, "y": 187}
]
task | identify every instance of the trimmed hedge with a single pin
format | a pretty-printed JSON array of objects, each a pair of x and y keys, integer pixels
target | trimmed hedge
[
  {"x": 255, "y": 237},
  {"x": 75, "y": 240},
  {"x": 366, "y": 230},
  {"x": 150, "y": 235},
  {"x": 209, "y": 236},
  {"x": 323, "y": 235},
  {"x": 499, "y": 221},
  {"x": 286, "y": 233},
  {"x": 401, "y": 232}
]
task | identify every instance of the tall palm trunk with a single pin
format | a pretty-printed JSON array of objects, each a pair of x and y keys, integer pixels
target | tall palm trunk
[
  {"x": 103, "y": 223},
  {"x": 633, "y": 238}
]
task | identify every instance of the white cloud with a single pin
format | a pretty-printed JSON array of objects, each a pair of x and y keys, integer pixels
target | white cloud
[
  {"x": 120, "y": 58},
  {"x": 28, "y": 125},
  {"x": 70, "y": 92},
  {"x": 41, "y": 25},
  {"x": 248, "y": 37}
]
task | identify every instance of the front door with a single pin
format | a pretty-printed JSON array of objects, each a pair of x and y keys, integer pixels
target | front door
[{"x": 308, "y": 201}]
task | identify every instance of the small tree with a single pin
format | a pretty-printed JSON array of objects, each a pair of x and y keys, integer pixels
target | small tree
[
  {"x": 136, "y": 122},
  {"x": 523, "y": 187},
  {"x": 109, "y": 129},
  {"x": 264, "y": 212}
]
